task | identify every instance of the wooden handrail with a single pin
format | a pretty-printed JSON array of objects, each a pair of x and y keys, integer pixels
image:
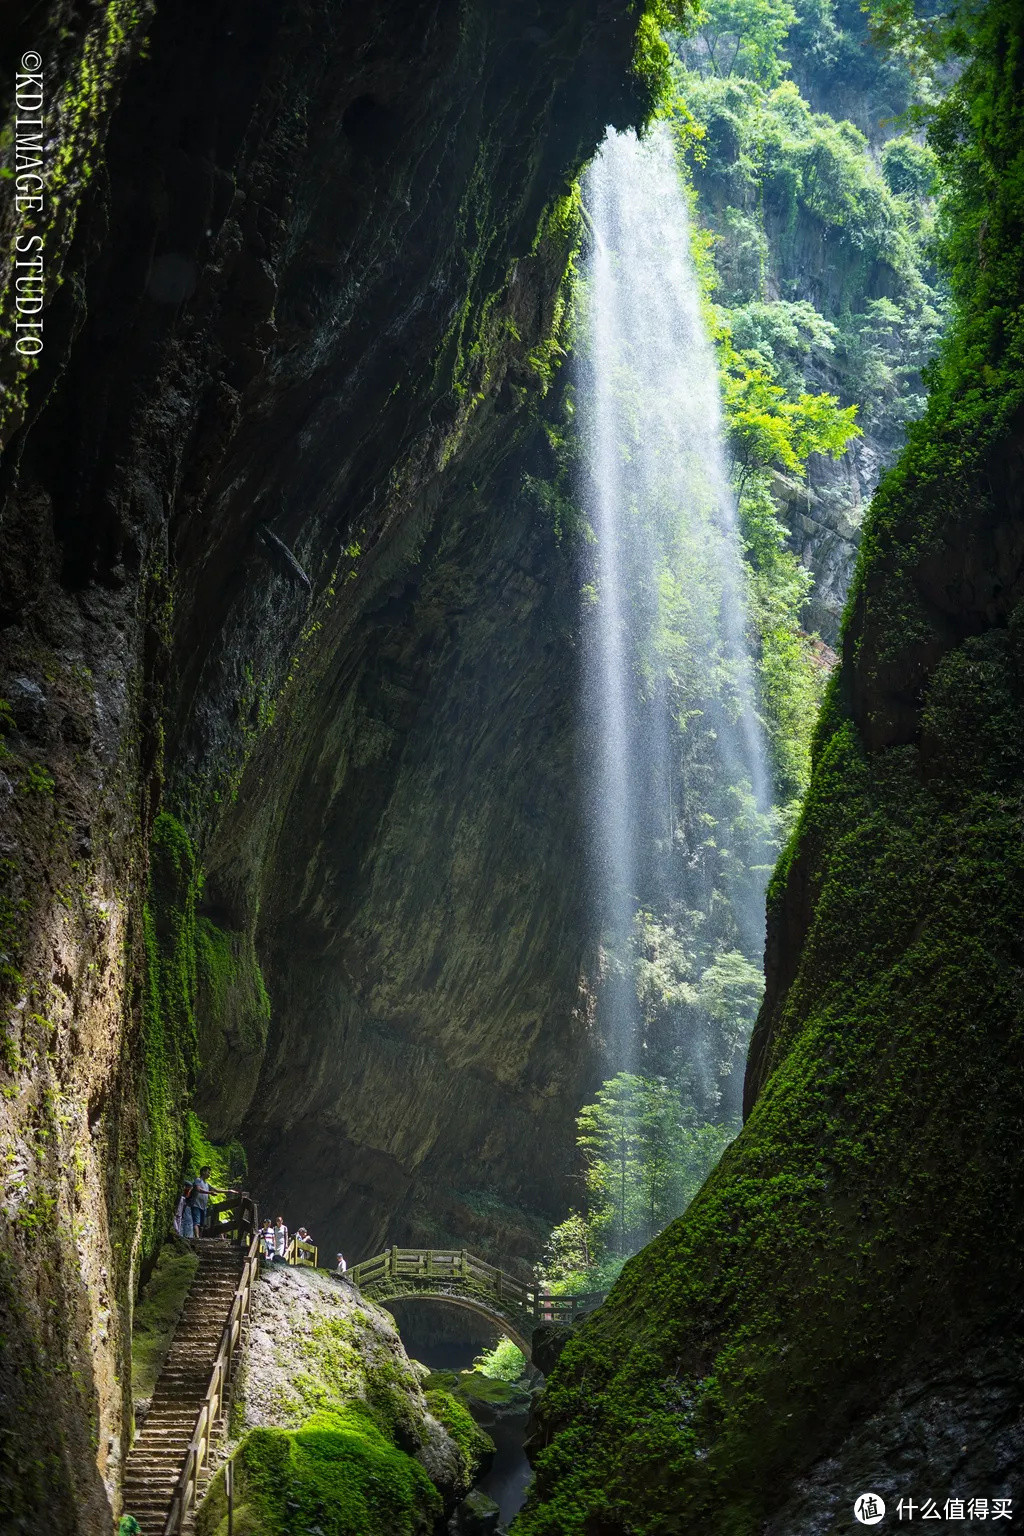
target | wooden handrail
[
  {"x": 184, "y": 1495},
  {"x": 301, "y": 1251},
  {"x": 450, "y": 1265}
]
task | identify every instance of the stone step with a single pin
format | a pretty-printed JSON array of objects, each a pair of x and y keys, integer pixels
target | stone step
[{"x": 156, "y": 1459}]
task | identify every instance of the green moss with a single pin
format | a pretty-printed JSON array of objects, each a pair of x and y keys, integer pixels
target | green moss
[
  {"x": 157, "y": 1313},
  {"x": 77, "y": 115},
  {"x": 227, "y": 1162},
  {"x": 233, "y": 981},
  {"x": 175, "y": 1142},
  {"x": 329, "y": 1367},
  {"x": 387, "y": 1396},
  {"x": 232, "y": 1020},
  {"x": 471, "y": 1440},
  {"x": 168, "y": 1020},
  {"x": 338, "y": 1473}
]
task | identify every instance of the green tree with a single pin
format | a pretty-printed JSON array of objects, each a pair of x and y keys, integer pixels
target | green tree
[
  {"x": 570, "y": 1249},
  {"x": 730, "y": 992},
  {"x": 744, "y": 37},
  {"x": 645, "y": 1155},
  {"x": 910, "y": 169},
  {"x": 609, "y": 1134},
  {"x": 767, "y": 430}
]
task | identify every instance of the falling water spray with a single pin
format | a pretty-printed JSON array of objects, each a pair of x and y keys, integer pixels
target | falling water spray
[{"x": 669, "y": 591}]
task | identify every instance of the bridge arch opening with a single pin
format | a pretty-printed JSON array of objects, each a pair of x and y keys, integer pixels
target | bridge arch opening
[{"x": 498, "y": 1325}]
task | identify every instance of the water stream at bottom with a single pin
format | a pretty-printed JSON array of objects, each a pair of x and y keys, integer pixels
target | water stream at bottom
[{"x": 509, "y": 1476}]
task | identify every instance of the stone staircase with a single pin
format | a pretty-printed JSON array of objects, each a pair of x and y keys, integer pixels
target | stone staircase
[{"x": 156, "y": 1459}]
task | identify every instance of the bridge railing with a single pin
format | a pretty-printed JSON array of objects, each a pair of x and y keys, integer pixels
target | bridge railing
[
  {"x": 442, "y": 1264},
  {"x": 236, "y": 1216},
  {"x": 452, "y": 1265},
  {"x": 566, "y": 1309}
]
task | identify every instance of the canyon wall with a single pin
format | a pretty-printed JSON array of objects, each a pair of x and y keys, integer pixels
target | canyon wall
[{"x": 305, "y": 267}]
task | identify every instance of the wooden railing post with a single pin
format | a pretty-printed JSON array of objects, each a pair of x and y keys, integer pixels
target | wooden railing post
[{"x": 186, "y": 1489}]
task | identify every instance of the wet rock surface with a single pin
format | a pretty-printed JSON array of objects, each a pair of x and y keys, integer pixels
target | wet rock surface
[
  {"x": 948, "y": 1441},
  {"x": 477, "y": 1515},
  {"x": 548, "y": 1343}
]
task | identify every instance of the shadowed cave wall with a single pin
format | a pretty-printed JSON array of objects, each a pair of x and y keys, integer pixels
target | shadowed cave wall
[
  {"x": 422, "y": 913},
  {"x": 271, "y": 601}
]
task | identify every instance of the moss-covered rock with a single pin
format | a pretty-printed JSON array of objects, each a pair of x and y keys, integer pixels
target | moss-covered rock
[
  {"x": 330, "y": 1418},
  {"x": 477, "y": 1515},
  {"x": 169, "y": 1045},
  {"x": 232, "y": 1018},
  {"x": 475, "y": 1447},
  {"x": 487, "y": 1398},
  {"x": 339, "y": 1473}
]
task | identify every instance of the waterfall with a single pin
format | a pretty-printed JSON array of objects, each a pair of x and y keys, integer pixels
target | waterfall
[{"x": 666, "y": 638}]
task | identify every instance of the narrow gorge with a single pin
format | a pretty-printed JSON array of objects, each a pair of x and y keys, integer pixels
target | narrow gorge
[{"x": 511, "y": 755}]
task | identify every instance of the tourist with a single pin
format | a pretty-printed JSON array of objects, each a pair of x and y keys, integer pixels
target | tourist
[
  {"x": 202, "y": 1189},
  {"x": 303, "y": 1236},
  {"x": 342, "y": 1266},
  {"x": 183, "y": 1214},
  {"x": 268, "y": 1242},
  {"x": 280, "y": 1241}
]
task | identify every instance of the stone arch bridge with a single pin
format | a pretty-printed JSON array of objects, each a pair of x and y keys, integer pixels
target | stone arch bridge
[{"x": 462, "y": 1280}]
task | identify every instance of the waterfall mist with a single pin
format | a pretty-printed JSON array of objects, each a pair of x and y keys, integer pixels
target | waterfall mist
[{"x": 677, "y": 758}]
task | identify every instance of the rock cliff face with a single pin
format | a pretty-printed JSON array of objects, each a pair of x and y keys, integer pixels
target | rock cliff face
[
  {"x": 310, "y": 263},
  {"x": 824, "y": 515},
  {"x": 424, "y": 951}
]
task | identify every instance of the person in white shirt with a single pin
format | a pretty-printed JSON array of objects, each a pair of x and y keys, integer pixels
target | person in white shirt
[
  {"x": 280, "y": 1241},
  {"x": 342, "y": 1266}
]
